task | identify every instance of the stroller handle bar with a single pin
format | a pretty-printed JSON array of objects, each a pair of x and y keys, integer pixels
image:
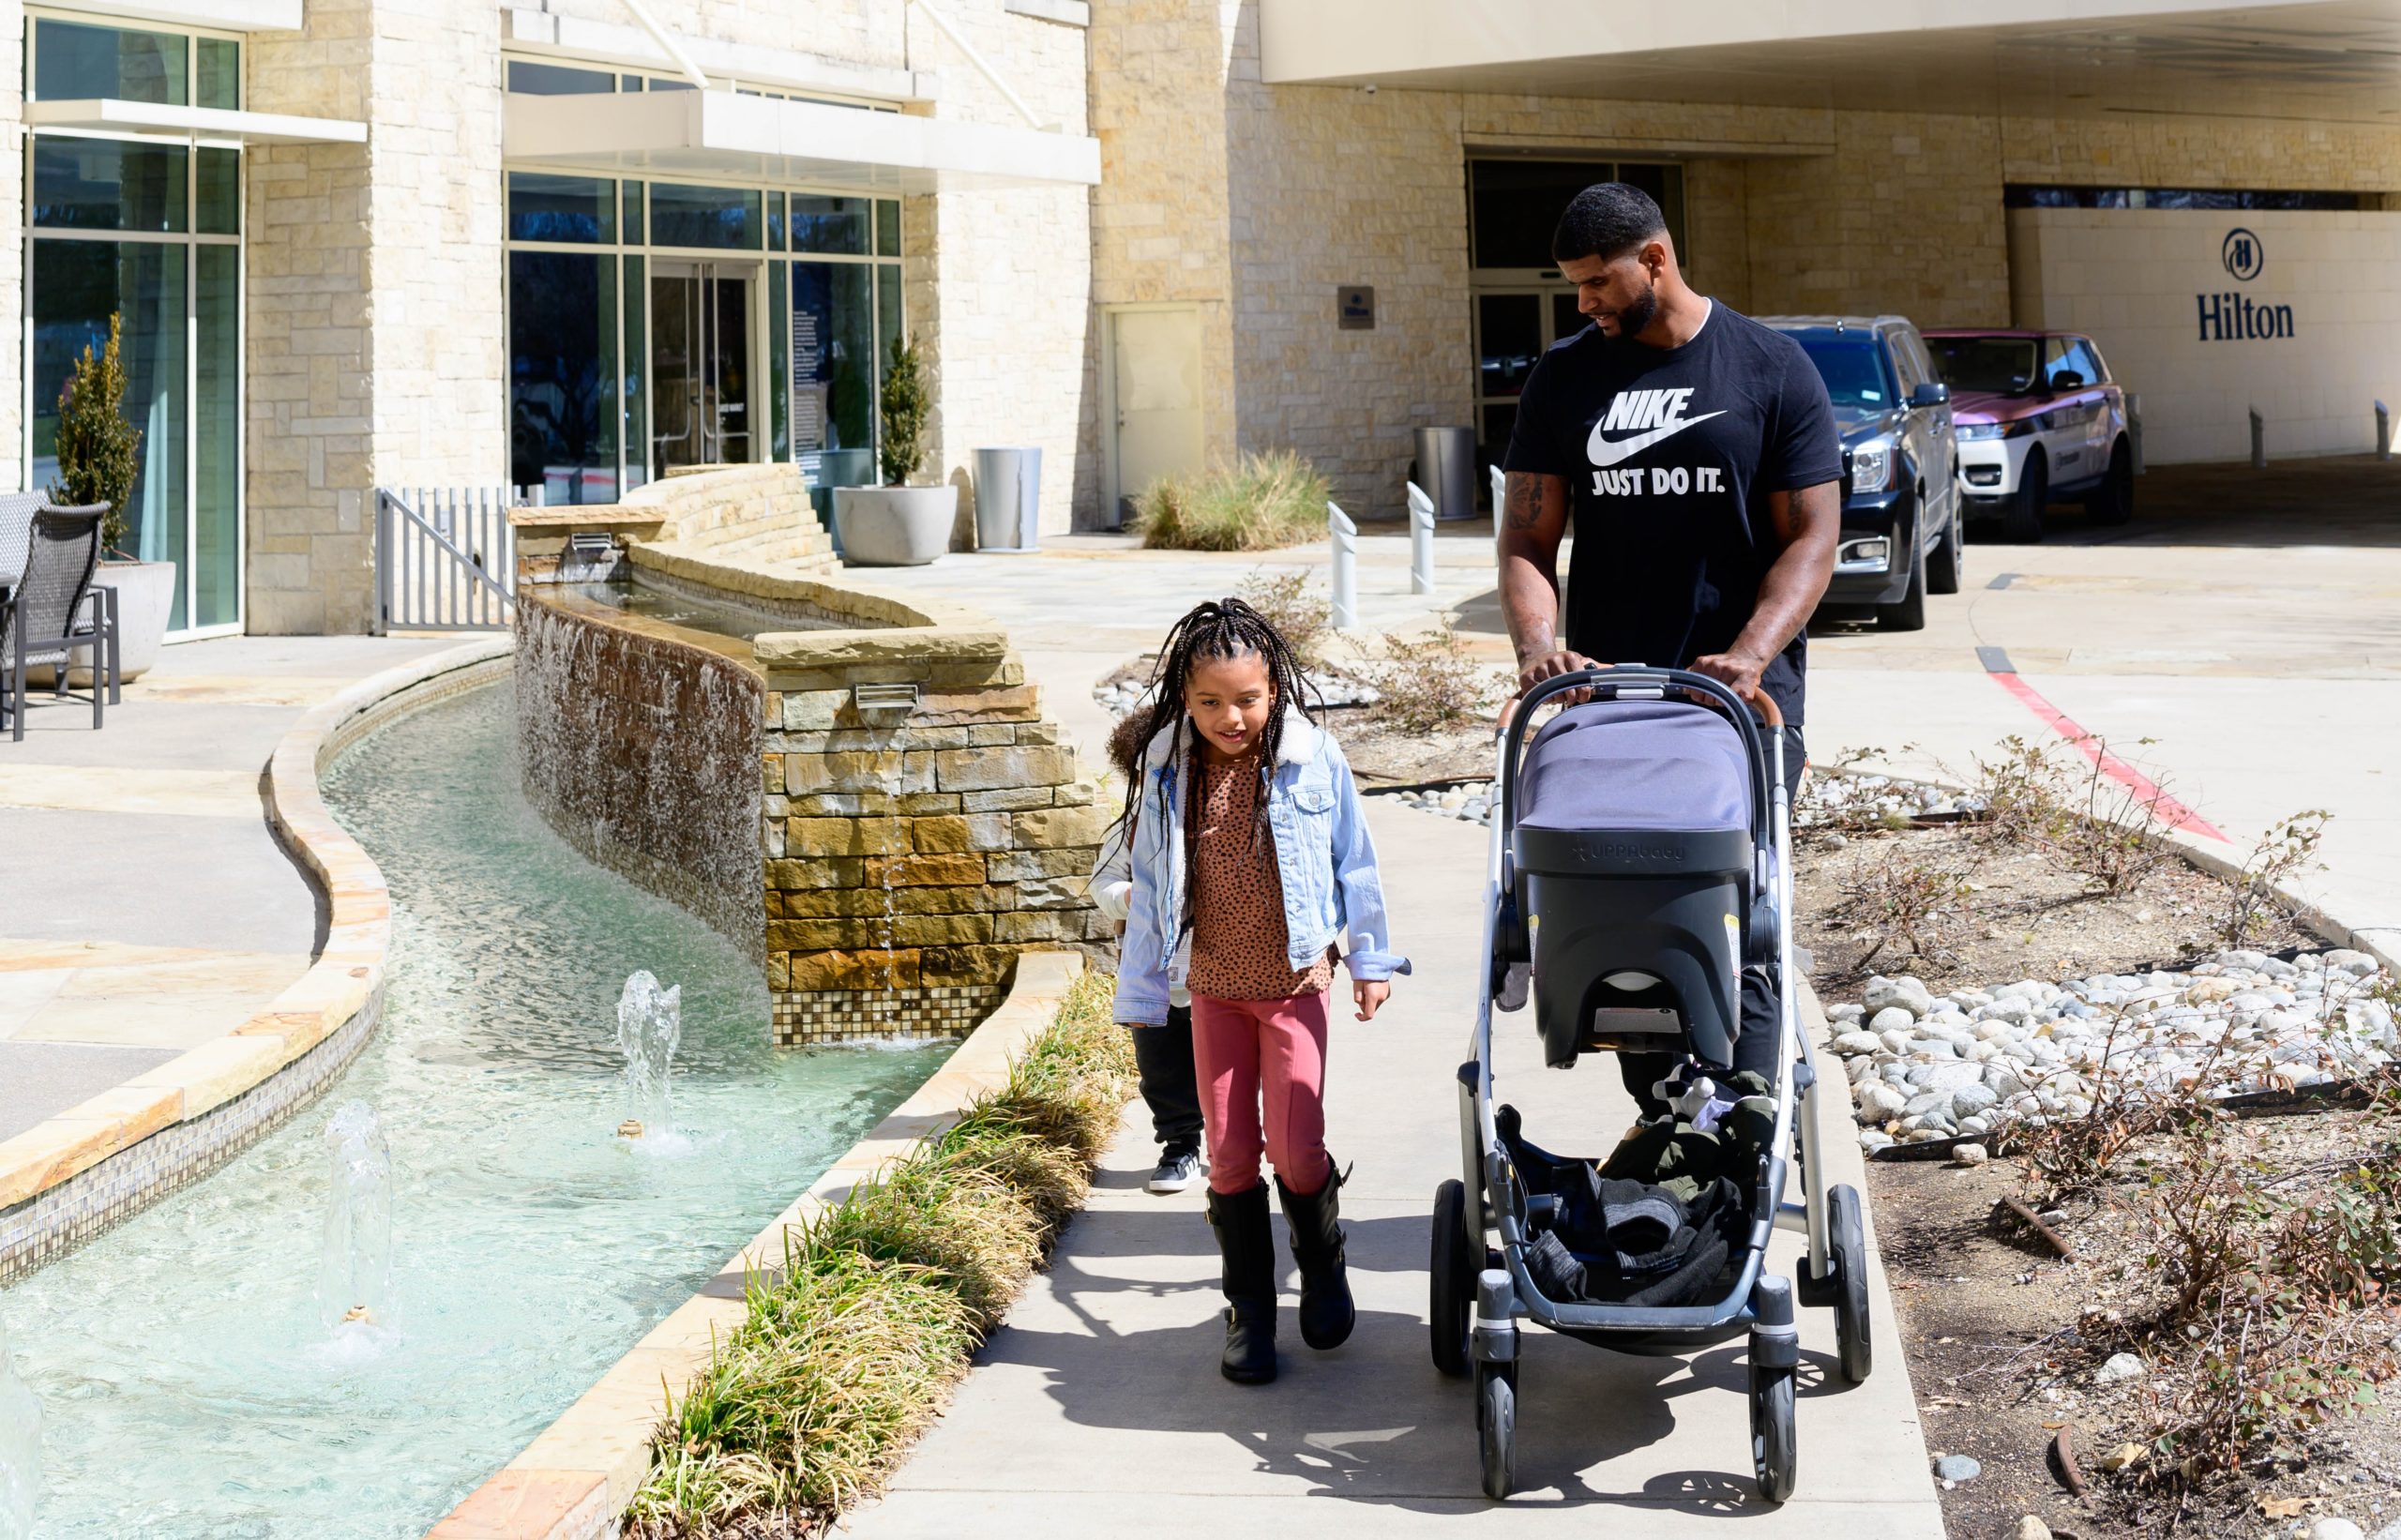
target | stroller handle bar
[{"x": 1637, "y": 681}]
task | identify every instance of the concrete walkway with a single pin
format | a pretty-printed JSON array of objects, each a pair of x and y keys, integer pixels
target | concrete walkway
[
  {"x": 145, "y": 907},
  {"x": 1098, "y": 1410}
]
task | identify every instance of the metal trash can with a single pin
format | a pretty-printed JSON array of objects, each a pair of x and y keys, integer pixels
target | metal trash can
[
  {"x": 1446, "y": 469},
  {"x": 1008, "y": 499}
]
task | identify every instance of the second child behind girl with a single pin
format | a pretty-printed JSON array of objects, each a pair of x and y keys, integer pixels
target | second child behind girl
[{"x": 1251, "y": 858}]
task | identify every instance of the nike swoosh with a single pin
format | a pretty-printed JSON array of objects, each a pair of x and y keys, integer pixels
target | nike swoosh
[{"x": 1604, "y": 452}]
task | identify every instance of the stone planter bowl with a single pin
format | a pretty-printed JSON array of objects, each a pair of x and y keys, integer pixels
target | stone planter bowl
[{"x": 893, "y": 526}]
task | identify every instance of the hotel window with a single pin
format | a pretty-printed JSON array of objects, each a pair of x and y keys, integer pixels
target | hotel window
[{"x": 148, "y": 231}]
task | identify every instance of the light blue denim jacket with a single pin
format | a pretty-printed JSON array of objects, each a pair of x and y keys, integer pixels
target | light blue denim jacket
[{"x": 1322, "y": 851}]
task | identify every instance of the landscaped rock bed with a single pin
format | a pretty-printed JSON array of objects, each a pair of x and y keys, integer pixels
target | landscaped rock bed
[{"x": 2206, "y": 1131}]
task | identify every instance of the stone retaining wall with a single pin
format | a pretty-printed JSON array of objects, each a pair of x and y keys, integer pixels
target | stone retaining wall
[{"x": 910, "y": 860}]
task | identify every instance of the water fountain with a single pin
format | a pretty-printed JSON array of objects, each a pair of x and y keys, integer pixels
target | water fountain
[
  {"x": 650, "y": 1023},
  {"x": 354, "y": 1272},
  {"x": 20, "y": 1448}
]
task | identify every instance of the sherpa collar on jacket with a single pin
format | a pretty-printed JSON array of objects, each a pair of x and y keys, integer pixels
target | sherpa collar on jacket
[{"x": 1303, "y": 738}]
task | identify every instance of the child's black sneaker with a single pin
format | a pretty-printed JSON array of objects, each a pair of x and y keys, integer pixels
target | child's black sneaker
[{"x": 1177, "y": 1169}]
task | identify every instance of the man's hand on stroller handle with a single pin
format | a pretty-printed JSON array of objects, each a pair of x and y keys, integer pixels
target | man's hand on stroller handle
[
  {"x": 1371, "y": 996},
  {"x": 1549, "y": 665}
]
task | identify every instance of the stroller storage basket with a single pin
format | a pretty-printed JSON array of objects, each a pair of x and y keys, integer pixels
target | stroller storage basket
[{"x": 1636, "y": 857}]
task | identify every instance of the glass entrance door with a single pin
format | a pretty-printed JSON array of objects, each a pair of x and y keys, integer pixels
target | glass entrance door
[{"x": 701, "y": 347}]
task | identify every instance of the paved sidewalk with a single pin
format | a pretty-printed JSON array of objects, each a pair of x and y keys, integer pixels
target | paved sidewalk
[
  {"x": 145, "y": 907},
  {"x": 1098, "y": 1410}
]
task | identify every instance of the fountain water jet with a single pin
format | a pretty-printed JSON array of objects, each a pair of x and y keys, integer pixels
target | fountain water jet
[
  {"x": 354, "y": 1274},
  {"x": 20, "y": 1448},
  {"x": 650, "y": 1023}
]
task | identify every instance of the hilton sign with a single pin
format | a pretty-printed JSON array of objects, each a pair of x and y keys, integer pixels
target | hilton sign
[{"x": 2228, "y": 316}]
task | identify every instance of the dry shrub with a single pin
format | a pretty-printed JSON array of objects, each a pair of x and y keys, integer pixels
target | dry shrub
[
  {"x": 1900, "y": 903},
  {"x": 1299, "y": 616},
  {"x": 1260, "y": 503},
  {"x": 1427, "y": 683},
  {"x": 2287, "y": 849},
  {"x": 2055, "y": 797}
]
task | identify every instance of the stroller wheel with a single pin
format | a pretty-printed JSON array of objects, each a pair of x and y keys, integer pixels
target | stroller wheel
[
  {"x": 1775, "y": 1457},
  {"x": 1496, "y": 1426},
  {"x": 1451, "y": 1275},
  {"x": 1847, "y": 1243}
]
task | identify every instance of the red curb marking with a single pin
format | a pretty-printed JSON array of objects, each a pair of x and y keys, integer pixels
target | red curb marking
[{"x": 2171, "y": 812}]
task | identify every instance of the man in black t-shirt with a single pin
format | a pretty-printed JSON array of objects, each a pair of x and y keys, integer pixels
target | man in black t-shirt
[{"x": 1698, "y": 452}]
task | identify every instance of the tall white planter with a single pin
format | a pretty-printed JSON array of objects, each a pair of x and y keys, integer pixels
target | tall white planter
[
  {"x": 894, "y": 526},
  {"x": 145, "y": 598}
]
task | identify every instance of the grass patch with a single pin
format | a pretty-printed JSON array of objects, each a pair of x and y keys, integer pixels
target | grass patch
[
  {"x": 1260, "y": 503},
  {"x": 838, "y": 1364}
]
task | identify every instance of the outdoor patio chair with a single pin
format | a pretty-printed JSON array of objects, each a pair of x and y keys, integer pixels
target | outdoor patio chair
[
  {"x": 16, "y": 534},
  {"x": 54, "y": 607}
]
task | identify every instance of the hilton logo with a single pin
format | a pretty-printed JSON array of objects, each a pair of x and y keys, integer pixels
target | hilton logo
[
  {"x": 2228, "y": 317},
  {"x": 2243, "y": 254}
]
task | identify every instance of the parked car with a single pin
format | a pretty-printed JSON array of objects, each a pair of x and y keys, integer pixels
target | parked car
[
  {"x": 1901, "y": 536},
  {"x": 2041, "y": 421}
]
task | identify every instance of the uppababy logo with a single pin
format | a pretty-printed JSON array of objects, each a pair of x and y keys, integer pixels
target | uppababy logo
[
  {"x": 1650, "y": 415},
  {"x": 1662, "y": 852}
]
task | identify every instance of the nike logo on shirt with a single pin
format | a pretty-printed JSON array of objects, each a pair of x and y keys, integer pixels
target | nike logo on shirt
[{"x": 1660, "y": 413}]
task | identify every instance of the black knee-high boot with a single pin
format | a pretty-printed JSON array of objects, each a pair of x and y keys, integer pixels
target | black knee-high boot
[
  {"x": 1327, "y": 1314},
  {"x": 1246, "y": 1241}
]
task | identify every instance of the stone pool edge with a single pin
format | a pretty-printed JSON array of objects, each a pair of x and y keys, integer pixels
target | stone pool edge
[
  {"x": 71, "y": 1177},
  {"x": 573, "y": 1481}
]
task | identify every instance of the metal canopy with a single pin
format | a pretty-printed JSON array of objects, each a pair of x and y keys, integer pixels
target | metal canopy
[
  {"x": 111, "y": 114},
  {"x": 2336, "y": 60},
  {"x": 721, "y": 135}
]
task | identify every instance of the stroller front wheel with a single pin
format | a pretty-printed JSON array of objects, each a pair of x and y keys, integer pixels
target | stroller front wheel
[
  {"x": 1451, "y": 1273},
  {"x": 1775, "y": 1440},
  {"x": 1496, "y": 1426},
  {"x": 1847, "y": 1240}
]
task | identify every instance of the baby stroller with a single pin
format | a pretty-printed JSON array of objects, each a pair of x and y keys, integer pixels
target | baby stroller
[{"x": 1640, "y": 868}]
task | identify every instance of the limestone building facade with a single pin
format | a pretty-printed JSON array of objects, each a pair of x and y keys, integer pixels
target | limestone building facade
[{"x": 556, "y": 248}]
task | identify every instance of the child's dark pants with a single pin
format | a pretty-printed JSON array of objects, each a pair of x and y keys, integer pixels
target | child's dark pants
[{"x": 1163, "y": 1059}]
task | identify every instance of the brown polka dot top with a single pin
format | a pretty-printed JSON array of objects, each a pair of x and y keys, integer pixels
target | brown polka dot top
[{"x": 1241, "y": 948}]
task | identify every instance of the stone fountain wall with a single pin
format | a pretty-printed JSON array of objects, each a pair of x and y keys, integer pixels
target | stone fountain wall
[
  {"x": 888, "y": 864},
  {"x": 636, "y": 742},
  {"x": 909, "y": 861}
]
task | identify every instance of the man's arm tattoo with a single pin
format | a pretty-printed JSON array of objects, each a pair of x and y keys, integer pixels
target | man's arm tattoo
[{"x": 1525, "y": 502}]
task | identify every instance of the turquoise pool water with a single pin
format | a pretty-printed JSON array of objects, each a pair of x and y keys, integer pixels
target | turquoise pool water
[{"x": 189, "y": 1386}]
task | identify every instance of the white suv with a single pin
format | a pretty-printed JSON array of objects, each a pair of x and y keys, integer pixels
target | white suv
[{"x": 2040, "y": 421}]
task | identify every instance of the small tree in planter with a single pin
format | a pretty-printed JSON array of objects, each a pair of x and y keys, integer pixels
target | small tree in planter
[
  {"x": 98, "y": 451},
  {"x": 907, "y": 410},
  {"x": 100, "y": 454},
  {"x": 897, "y": 524}
]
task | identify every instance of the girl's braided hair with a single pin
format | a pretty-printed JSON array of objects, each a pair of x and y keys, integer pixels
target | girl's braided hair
[{"x": 1214, "y": 629}]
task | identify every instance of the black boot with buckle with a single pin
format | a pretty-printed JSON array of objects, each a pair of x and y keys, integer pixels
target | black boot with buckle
[
  {"x": 1327, "y": 1314},
  {"x": 1246, "y": 1240}
]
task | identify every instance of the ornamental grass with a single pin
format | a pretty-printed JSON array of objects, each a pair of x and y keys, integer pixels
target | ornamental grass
[
  {"x": 847, "y": 1354},
  {"x": 1260, "y": 503}
]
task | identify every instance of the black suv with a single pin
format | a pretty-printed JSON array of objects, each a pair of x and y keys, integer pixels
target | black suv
[{"x": 1901, "y": 516}]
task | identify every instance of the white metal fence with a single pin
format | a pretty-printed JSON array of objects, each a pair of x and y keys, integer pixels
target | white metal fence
[{"x": 445, "y": 558}]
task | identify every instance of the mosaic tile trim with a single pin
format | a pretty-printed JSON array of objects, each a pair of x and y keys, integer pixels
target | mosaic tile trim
[
  {"x": 61, "y": 1219},
  {"x": 828, "y": 1016}
]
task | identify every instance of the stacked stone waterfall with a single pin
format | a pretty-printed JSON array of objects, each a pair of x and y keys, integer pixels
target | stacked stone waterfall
[
  {"x": 970, "y": 821},
  {"x": 1971, "y": 1062}
]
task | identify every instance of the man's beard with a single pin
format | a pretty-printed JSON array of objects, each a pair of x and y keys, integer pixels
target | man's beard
[{"x": 1637, "y": 317}]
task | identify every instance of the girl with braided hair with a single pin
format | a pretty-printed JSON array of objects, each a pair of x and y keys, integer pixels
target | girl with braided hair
[{"x": 1248, "y": 857}]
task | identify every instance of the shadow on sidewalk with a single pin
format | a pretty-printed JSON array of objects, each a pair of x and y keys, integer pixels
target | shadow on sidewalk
[{"x": 1371, "y": 1422}]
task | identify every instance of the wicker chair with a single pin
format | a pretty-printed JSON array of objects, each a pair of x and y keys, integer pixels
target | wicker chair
[{"x": 54, "y": 607}]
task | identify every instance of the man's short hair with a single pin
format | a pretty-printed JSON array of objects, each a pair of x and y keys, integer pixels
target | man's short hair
[{"x": 1607, "y": 219}]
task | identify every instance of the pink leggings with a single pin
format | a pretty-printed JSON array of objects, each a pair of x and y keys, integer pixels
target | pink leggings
[{"x": 1250, "y": 1052}]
